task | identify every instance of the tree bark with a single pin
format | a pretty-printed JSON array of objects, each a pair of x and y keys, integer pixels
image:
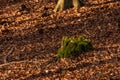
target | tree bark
[{"x": 66, "y": 4}]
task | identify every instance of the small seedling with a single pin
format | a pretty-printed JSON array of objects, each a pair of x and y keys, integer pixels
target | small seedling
[{"x": 71, "y": 47}]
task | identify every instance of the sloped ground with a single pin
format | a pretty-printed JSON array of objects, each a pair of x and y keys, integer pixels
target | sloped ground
[{"x": 32, "y": 37}]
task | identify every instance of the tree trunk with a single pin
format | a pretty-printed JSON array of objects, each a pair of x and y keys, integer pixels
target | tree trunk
[{"x": 66, "y": 4}]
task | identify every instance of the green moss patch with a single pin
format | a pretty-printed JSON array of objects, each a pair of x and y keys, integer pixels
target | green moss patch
[{"x": 72, "y": 47}]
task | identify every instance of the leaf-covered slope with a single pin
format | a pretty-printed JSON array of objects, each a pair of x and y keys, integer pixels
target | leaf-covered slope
[{"x": 36, "y": 35}]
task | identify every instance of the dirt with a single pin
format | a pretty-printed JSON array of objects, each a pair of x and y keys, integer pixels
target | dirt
[{"x": 31, "y": 36}]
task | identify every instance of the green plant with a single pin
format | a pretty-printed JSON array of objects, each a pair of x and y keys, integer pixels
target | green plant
[{"x": 71, "y": 47}]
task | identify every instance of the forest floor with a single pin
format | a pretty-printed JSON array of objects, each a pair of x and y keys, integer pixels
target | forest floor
[{"x": 30, "y": 38}]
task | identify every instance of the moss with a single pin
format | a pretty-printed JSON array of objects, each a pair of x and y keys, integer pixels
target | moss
[{"x": 71, "y": 47}]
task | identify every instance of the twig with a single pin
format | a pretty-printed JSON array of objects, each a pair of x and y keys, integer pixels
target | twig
[
  {"x": 14, "y": 62},
  {"x": 10, "y": 51}
]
